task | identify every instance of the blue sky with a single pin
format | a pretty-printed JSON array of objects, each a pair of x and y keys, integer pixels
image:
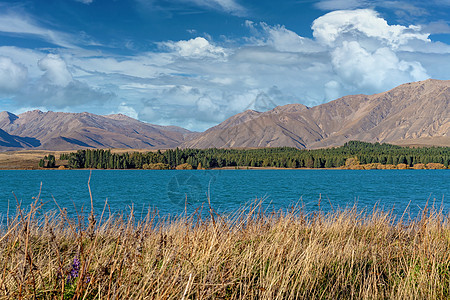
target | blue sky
[{"x": 193, "y": 63}]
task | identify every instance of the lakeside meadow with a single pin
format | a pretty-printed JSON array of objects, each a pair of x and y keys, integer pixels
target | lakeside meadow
[{"x": 249, "y": 254}]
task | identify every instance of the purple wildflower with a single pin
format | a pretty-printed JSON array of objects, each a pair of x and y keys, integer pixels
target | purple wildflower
[{"x": 74, "y": 272}]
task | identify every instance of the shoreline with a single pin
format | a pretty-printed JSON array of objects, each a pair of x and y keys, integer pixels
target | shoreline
[
  {"x": 212, "y": 169},
  {"x": 29, "y": 160}
]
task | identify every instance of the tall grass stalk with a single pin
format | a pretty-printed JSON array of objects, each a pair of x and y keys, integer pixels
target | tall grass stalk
[{"x": 249, "y": 254}]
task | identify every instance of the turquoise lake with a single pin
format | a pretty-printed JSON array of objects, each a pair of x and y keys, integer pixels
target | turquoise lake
[{"x": 169, "y": 191}]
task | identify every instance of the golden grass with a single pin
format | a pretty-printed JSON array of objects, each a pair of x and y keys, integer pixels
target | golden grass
[
  {"x": 29, "y": 159},
  {"x": 26, "y": 159},
  {"x": 251, "y": 254}
]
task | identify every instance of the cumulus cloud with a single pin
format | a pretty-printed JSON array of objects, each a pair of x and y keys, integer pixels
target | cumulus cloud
[
  {"x": 343, "y": 25},
  {"x": 198, "y": 47},
  {"x": 363, "y": 49},
  {"x": 332, "y": 89},
  {"x": 209, "y": 110},
  {"x": 27, "y": 57},
  {"x": 56, "y": 87},
  {"x": 372, "y": 72},
  {"x": 55, "y": 69},
  {"x": 76, "y": 93},
  {"x": 12, "y": 75},
  {"x": 127, "y": 110}
]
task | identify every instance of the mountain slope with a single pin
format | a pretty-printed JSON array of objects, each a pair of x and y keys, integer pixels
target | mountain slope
[
  {"x": 11, "y": 141},
  {"x": 7, "y": 140},
  {"x": 410, "y": 112},
  {"x": 66, "y": 131}
]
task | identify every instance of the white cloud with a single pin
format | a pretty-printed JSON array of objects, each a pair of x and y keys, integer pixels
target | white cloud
[
  {"x": 85, "y": 1},
  {"x": 283, "y": 39},
  {"x": 26, "y": 57},
  {"x": 56, "y": 87},
  {"x": 363, "y": 49},
  {"x": 127, "y": 110},
  {"x": 372, "y": 72},
  {"x": 12, "y": 75},
  {"x": 280, "y": 38},
  {"x": 208, "y": 110},
  {"x": 336, "y": 26},
  {"x": 21, "y": 24},
  {"x": 332, "y": 89},
  {"x": 198, "y": 47},
  {"x": 55, "y": 69}
]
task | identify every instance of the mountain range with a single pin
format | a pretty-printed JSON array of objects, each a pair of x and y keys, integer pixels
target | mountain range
[
  {"x": 415, "y": 113},
  {"x": 68, "y": 131}
]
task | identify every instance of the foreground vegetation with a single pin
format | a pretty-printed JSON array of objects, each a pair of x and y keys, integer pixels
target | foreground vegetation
[
  {"x": 250, "y": 254},
  {"x": 363, "y": 153}
]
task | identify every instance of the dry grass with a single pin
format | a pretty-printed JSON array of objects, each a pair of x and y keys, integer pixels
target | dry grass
[
  {"x": 250, "y": 254},
  {"x": 26, "y": 159},
  {"x": 29, "y": 159},
  {"x": 437, "y": 141}
]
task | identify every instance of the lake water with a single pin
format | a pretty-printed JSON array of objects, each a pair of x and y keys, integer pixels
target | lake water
[{"x": 169, "y": 191}]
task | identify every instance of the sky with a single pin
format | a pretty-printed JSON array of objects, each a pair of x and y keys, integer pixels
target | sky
[{"x": 194, "y": 63}]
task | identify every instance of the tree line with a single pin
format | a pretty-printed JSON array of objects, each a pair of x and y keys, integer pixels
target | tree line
[{"x": 282, "y": 157}]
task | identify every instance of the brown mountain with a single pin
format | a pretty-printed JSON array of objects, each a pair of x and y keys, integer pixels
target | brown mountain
[
  {"x": 67, "y": 131},
  {"x": 413, "y": 113}
]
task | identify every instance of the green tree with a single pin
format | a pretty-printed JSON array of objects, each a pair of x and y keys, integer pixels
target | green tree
[
  {"x": 51, "y": 163},
  {"x": 309, "y": 163}
]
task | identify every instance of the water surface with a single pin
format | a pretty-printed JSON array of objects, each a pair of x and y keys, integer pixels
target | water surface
[{"x": 170, "y": 191}]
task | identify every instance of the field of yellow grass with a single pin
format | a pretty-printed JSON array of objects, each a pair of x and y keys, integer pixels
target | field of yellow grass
[
  {"x": 29, "y": 159},
  {"x": 251, "y": 254},
  {"x": 26, "y": 159}
]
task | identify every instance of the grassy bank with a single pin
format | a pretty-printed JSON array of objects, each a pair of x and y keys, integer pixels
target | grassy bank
[
  {"x": 250, "y": 254},
  {"x": 29, "y": 159}
]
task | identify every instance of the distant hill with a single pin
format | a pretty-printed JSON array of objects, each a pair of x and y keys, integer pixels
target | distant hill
[
  {"x": 412, "y": 114},
  {"x": 67, "y": 131}
]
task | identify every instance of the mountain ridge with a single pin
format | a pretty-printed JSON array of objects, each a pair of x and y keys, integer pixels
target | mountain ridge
[
  {"x": 408, "y": 112},
  {"x": 69, "y": 131},
  {"x": 413, "y": 113}
]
